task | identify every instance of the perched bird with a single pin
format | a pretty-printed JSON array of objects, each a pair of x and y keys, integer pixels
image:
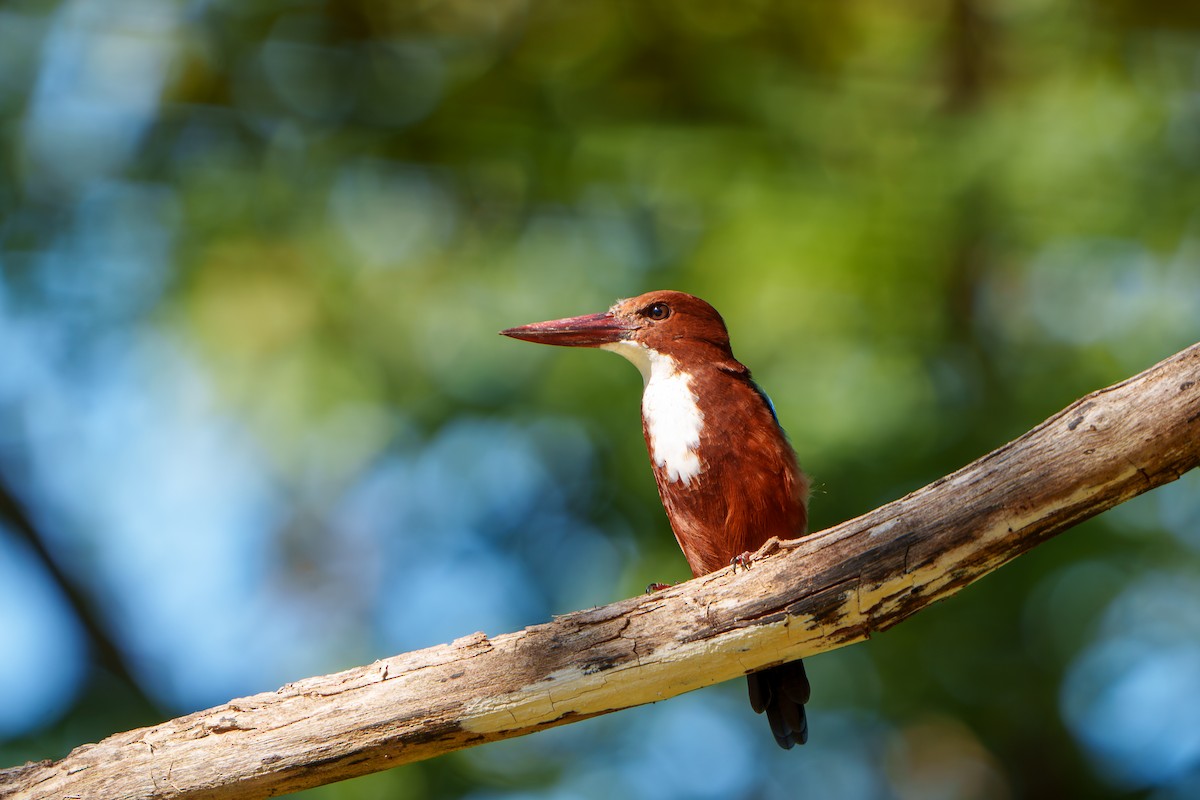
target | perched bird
[{"x": 726, "y": 473}]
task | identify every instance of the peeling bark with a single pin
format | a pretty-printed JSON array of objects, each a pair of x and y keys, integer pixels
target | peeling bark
[{"x": 801, "y": 598}]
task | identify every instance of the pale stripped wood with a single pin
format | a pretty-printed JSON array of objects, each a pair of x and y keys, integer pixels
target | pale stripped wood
[{"x": 825, "y": 591}]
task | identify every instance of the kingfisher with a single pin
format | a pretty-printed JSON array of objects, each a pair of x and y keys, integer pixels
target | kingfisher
[{"x": 726, "y": 473}]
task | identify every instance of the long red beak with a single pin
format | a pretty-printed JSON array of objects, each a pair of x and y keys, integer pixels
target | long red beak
[{"x": 591, "y": 330}]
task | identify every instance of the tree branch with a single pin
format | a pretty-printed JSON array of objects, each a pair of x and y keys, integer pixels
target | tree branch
[{"x": 827, "y": 590}]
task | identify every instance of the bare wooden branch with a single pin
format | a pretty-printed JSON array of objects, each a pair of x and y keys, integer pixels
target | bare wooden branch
[{"x": 827, "y": 590}]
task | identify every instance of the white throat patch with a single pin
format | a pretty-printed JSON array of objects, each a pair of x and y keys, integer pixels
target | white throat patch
[{"x": 673, "y": 419}]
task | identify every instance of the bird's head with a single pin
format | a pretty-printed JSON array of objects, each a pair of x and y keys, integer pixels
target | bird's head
[{"x": 660, "y": 323}]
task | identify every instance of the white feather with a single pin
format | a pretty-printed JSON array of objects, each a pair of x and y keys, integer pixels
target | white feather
[{"x": 673, "y": 419}]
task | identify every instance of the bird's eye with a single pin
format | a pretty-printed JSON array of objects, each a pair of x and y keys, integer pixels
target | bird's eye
[{"x": 657, "y": 311}]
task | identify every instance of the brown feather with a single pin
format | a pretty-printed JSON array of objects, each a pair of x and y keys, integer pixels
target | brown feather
[{"x": 749, "y": 488}]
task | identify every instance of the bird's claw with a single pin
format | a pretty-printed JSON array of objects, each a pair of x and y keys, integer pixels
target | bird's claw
[
  {"x": 657, "y": 587},
  {"x": 745, "y": 561}
]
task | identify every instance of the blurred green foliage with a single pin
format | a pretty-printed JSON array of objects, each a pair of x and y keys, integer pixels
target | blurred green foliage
[{"x": 928, "y": 225}]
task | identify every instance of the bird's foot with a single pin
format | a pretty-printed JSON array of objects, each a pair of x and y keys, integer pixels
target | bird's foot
[
  {"x": 658, "y": 587},
  {"x": 745, "y": 561}
]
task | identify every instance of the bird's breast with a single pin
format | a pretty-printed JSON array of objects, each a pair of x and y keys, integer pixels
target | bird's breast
[
  {"x": 674, "y": 423},
  {"x": 671, "y": 415}
]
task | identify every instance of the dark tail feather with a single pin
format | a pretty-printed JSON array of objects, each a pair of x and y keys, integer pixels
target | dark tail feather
[{"x": 782, "y": 692}]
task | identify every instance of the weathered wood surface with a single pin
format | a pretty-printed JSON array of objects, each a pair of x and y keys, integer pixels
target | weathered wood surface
[{"x": 827, "y": 590}]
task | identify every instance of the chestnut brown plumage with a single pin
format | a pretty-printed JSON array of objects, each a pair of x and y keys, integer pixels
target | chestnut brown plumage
[{"x": 727, "y": 476}]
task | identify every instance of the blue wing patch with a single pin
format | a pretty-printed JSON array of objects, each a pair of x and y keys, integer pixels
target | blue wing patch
[{"x": 767, "y": 400}]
